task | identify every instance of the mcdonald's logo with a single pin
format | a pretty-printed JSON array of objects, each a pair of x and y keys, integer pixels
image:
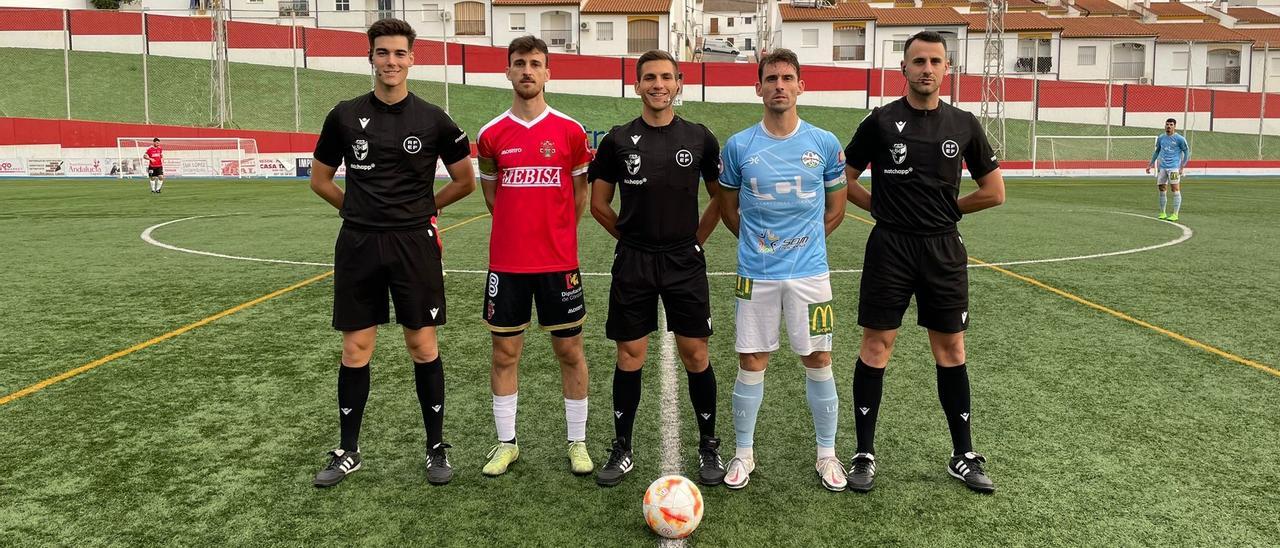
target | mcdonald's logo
[
  {"x": 822, "y": 319},
  {"x": 743, "y": 289}
]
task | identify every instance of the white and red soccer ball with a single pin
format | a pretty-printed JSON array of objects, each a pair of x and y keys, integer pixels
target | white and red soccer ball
[{"x": 673, "y": 506}]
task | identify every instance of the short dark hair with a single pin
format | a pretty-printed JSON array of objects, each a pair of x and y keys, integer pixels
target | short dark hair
[
  {"x": 1175, "y": 122},
  {"x": 657, "y": 55},
  {"x": 156, "y": 140},
  {"x": 528, "y": 43},
  {"x": 925, "y": 36},
  {"x": 391, "y": 27},
  {"x": 780, "y": 55}
]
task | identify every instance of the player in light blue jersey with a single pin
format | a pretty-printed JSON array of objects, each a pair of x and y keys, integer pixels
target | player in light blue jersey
[
  {"x": 1172, "y": 154},
  {"x": 784, "y": 192}
]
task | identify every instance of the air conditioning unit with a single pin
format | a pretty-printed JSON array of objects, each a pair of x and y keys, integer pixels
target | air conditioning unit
[
  {"x": 584, "y": 26},
  {"x": 446, "y": 16},
  {"x": 570, "y": 46}
]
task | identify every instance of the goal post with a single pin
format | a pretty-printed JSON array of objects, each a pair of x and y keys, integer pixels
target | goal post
[
  {"x": 1072, "y": 154},
  {"x": 191, "y": 156}
]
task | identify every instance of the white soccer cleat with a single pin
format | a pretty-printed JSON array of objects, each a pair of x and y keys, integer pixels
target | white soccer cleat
[
  {"x": 831, "y": 473},
  {"x": 738, "y": 473}
]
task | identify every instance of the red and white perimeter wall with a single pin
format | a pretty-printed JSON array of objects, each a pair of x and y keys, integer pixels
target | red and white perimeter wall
[{"x": 345, "y": 51}]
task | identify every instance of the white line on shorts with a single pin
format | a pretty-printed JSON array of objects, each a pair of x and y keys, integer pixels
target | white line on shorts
[
  {"x": 1186, "y": 235},
  {"x": 670, "y": 410}
]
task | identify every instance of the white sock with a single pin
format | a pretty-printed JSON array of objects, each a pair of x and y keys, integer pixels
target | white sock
[
  {"x": 824, "y": 452},
  {"x": 745, "y": 453},
  {"x": 1177, "y": 201},
  {"x": 575, "y": 415},
  {"x": 159, "y": 183},
  {"x": 504, "y": 415},
  {"x": 153, "y": 185},
  {"x": 1163, "y": 200}
]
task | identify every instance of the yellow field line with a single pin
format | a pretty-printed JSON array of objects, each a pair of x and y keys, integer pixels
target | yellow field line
[
  {"x": 1121, "y": 315},
  {"x": 122, "y": 353}
]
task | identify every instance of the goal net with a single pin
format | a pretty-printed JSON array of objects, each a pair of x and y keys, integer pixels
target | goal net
[
  {"x": 1082, "y": 154},
  {"x": 191, "y": 156}
]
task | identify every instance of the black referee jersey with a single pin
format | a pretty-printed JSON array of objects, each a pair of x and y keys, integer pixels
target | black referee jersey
[
  {"x": 390, "y": 152},
  {"x": 659, "y": 169},
  {"x": 915, "y": 158}
]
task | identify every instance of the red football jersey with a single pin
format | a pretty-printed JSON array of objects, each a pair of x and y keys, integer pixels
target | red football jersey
[
  {"x": 535, "y": 226},
  {"x": 155, "y": 156}
]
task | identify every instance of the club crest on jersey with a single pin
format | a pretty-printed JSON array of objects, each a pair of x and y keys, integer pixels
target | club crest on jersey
[
  {"x": 361, "y": 149},
  {"x": 810, "y": 159},
  {"x": 548, "y": 149},
  {"x": 633, "y": 163},
  {"x": 684, "y": 158},
  {"x": 950, "y": 149},
  {"x": 412, "y": 144},
  {"x": 571, "y": 280},
  {"x": 899, "y": 153}
]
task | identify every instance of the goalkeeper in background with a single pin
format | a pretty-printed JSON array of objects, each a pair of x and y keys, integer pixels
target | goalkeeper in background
[{"x": 1172, "y": 154}]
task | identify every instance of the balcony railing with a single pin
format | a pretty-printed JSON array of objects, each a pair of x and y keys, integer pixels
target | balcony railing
[
  {"x": 295, "y": 7},
  {"x": 1225, "y": 75},
  {"x": 1127, "y": 70},
  {"x": 1033, "y": 64},
  {"x": 849, "y": 52},
  {"x": 557, "y": 37}
]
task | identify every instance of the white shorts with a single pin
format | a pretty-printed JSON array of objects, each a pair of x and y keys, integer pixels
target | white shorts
[
  {"x": 1168, "y": 176},
  {"x": 804, "y": 302}
]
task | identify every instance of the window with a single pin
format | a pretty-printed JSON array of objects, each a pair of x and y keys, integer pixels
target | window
[
  {"x": 517, "y": 21},
  {"x": 342, "y": 5},
  {"x": 747, "y": 44},
  {"x": 729, "y": 21},
  {"x": 1087, "y": 56},
  {"x": 642, "y": 35},
  {"x": 468, "y": 19},
  {"x": 604, "y": 31},
  {"x": 431, "y": 12},
  {"x": 1033, "y": 56},
  {"x": 1128, "y": 61},
  {"x": 386, "y": 9},
  {"x": 1181, "y": 60},
  {"x": 746, "y": 20},
  {"x": 899, "y": 46},
  {"x": 809, "y": 38},
  {"x": 1224, "y": 67}
]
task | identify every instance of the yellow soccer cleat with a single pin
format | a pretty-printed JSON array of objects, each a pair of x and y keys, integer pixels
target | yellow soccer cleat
[
  {"x": 500, "y": 458},
  {"x": 579, "y": 461}
]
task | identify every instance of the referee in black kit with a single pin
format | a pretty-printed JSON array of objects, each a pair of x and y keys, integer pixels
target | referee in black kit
[
  {"x": 915, "y": 146},
  {"x": 657, "y": 160},
  {"x": 389, "y": 241}
]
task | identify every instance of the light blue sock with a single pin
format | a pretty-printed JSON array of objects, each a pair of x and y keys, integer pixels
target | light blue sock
[
  {"x": 824, "y": 403},
  {"x": 748, "y": 392},
  {"x": 1177, "y": 201},
  {"x": 1163, "y": 200}
]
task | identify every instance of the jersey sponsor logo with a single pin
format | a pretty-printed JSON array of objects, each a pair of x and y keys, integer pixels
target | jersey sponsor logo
[
  {"x": 412, "y": 144},
  {"x": 810, "y": 159},
  {"x": 743, "y": 288},
  {"x": 897, "y": 171},
  {"x": 900, "y": 125},
  {"x": 768, "y": 242},
  {"x": 515, "y": 150},
  {"x": 635, "y": 139},
  {"x": 633, "y": 163},
  {"x": 360, "y": 149},
  {"x": 899, "y": 153},
  {"x": 574, "y": 309},
  {"x": 493, "y": 286},
  {"x": 782, "y": 187},
  {"x": 950, "y": 149},
  {"x": 822, "y": 319},
  {"x": 362, "y": 167},
  {"x": 364, "y": 122},
  {"x": 531, "y": 176},
  {"x": 548, "y": 149},
  {"x": 684, "y": 158}
]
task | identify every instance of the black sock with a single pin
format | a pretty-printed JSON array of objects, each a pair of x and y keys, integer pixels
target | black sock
[
  {"x": 868, "y": 385},
  {"x": 430, "y": 380},
  {"x": 953, "y": 393},
  {"x": 353, "y": 392},
  {"x": 626, "y": 399},
  {"x": 702, "y": 393}
]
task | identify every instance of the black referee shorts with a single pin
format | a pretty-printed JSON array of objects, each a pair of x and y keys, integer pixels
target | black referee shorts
[
  {"x": 933, "y": 268},
  {"x": 639, "y": 278},
  {"x": 366, "y": 265}
]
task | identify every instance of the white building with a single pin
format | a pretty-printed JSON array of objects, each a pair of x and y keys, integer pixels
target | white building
[
  {"x": 626, "y": 27},
  {"x": 1201, "y": 54},
  {"x": 737, "y": 22},
  {"x": 842, "y": 34},
  {"x": 1032, "y": 44},
  {"x": 1102, "y": 48},
  {"x": 893, "y": 26},
  {"x": 556, "y": 22}
]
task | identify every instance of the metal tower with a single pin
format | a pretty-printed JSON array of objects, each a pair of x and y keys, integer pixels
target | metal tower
[{"x": 992, "y": 111}]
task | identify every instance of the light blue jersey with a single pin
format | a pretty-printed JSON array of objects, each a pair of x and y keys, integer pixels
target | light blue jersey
[
  {"x": 1171, "y": 151},
  {"x": 782, "y": 185}
]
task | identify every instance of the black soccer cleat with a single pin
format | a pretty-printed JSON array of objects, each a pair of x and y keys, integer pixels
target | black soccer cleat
[
  {"x": 616, "y": 465},
  {"x": 439, "y": 472},
  {"x": 340, "y": 464},
  {"x": 862, "y": 472},
  {"x": 968, "y": 468},
  {"x": 710, "y": 467}
]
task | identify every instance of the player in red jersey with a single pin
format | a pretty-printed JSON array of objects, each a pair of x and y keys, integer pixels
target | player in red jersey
[
  {"x": 533, "y": 164},
  {"x": 155, "y": 165}
]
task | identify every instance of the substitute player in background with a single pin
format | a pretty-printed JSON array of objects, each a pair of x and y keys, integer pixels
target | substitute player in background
[
  {"x": 655, "y": 161},
  {"x": 1172, "y": 154},
  {"x": 787, "y": 177},
  {"x": 533, "y": 170},
  {"x": 915, "y": 147},
  {"x": 155, "y": 165},
  {"x": 390, "y": 140}
]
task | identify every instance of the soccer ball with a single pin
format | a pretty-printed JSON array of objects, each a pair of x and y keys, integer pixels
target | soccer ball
[{"x": 673, "y": 506}]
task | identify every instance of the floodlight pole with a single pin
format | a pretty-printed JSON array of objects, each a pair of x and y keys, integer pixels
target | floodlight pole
[
  {"x": 992, "y": 109},
  {"x": 146, "y": 82}
]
